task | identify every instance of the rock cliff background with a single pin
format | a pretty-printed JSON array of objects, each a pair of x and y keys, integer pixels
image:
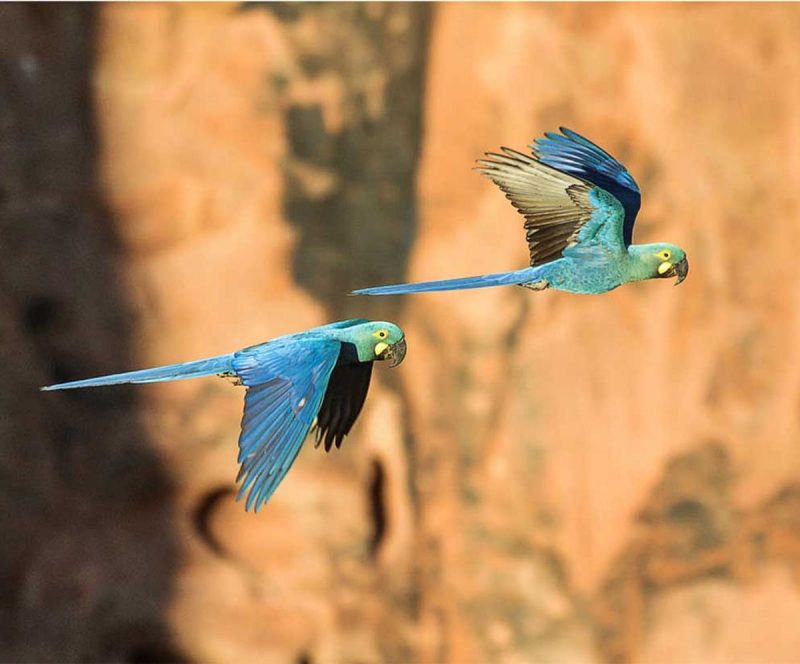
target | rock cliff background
[{"x": 547, "y": 478}]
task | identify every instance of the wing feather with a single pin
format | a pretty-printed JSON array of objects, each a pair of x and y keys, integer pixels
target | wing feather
[
  {"x": 344, "y": 399},
  {"x": 554, "y": 205},
  {"x": 557, "y": 206},
  {"x": 286, "y": 380},
  {"x": 572, "y": 153}
]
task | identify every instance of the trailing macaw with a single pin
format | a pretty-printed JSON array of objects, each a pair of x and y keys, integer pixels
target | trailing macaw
[
  {"x": 317, "y": 378},
  {"x": 579, "y": 205}
]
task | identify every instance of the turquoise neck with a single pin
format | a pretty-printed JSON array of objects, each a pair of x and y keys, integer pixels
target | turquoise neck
[{"x": 639, "y": 264}]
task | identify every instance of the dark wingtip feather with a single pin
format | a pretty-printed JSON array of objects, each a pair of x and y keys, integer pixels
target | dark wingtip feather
[{"x": 511, "y": 152}]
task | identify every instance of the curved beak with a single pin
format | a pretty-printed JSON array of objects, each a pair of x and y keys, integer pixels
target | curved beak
[
  {"x": 681, "y": 270},
  {"x": 395, "y": 353}
]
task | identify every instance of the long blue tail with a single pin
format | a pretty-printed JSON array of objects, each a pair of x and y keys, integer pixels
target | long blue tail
[
  {"x": 208, "y": 367},
  {"x": 462, "y": 283}
]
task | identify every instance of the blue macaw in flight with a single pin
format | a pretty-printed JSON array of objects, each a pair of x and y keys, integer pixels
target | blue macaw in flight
[
  {"x": 579, "y": 205},
  {"x": 317, "y": 378}
]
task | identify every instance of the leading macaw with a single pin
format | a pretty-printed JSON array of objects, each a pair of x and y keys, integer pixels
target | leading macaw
[
  {"x": 317, "y": 378},
  {"x": 579, "y": 205}
]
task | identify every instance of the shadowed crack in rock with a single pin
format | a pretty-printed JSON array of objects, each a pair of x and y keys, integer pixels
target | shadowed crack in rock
[
  {"x": 349, "y": 181},
  {"x": 88, "y": 552}
]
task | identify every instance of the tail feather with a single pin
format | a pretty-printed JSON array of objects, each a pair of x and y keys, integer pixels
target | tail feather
[
  {"x": 462, "y": 283},
  {"x": 207, "y": 367}
]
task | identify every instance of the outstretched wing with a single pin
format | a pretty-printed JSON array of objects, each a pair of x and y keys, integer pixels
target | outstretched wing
[
  {"x": 560, "y": 210},
  {"x": 344, "y": 398},
  {"x": 572, "y": 153},
  {"x": 286, "y": 381}
]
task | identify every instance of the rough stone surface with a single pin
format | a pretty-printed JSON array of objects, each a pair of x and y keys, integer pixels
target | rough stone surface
[
  {"x": 546, "y": 478},
  {"x": 88, "y": 553}
]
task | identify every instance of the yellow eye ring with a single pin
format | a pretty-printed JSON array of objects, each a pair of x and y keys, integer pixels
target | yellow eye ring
[
  {"x": 381, "y": 334},
  {"x": 665, "y": 255}
]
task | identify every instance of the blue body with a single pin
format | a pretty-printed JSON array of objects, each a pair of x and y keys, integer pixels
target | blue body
[
  {"x": 565, "y": 274},
  {"x": 580, "y": 205},
  {"x": 287, "y": 379}
]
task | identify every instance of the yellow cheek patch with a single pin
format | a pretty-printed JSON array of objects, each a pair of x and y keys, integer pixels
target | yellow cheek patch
[
  {"x": 664, "y": 267},
  {"x": 380, "y": 347}
]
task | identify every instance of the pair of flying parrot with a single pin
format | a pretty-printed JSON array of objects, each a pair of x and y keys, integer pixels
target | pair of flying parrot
[{"x": 579, "y": 205}]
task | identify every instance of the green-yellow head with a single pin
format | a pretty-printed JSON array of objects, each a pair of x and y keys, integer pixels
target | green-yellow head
[
  {"x": 376, "y": 340},
  {"x": 661, "y": 260}
]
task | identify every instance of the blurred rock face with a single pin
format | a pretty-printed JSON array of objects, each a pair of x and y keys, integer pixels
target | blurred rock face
[
  {"x": 547, "y": 477},
  {"x": 260, "y": 164},
  {"x": 637, "y": 440},
  {"x": 88, "y": 547}
]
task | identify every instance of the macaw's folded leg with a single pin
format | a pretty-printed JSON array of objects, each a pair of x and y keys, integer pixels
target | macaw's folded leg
[{"x": 537, "y": 285}]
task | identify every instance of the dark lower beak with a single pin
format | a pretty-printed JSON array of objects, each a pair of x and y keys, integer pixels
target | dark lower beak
[
  {"x": 681, "y": 270},
  {"x": 395, "y": 353}
]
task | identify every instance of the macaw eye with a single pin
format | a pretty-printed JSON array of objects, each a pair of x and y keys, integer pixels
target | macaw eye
[
  {"x": 381, "y": 334},
  {"x": 665, "y": 255}
]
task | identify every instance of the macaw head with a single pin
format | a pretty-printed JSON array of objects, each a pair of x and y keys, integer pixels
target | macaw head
[
  {"x": 379, "y": 340},
  {"x": 663, "y": 260}
]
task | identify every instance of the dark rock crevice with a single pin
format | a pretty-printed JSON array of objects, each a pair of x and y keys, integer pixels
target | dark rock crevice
[
  {"x": 350, "y": 190},
  {"x": 87, "y": 556}
]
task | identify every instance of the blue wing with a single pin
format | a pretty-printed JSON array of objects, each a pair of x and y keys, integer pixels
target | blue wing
[
  {"x": 570, "y": 152},
  {"x": 286, "y": 380}
]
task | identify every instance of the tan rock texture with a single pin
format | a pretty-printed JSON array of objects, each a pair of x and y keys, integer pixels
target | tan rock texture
[{"x": 547, "y": 478}]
